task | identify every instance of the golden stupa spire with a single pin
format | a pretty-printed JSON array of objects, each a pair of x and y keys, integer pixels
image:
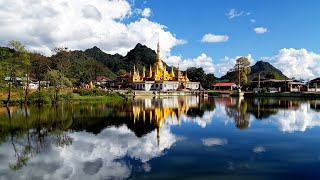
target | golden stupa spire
[
  {"x": 158, "y": 51},
  {"x": 172, "y": 73},
  {"x": 144, "y": 72},
  {"x": 150, "y": 71}
]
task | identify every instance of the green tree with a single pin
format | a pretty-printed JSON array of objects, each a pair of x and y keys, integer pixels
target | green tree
[
  {"x": 39, "y": 68},
  {"x": 61, "y": 59},
  {"x": 209, "y": 80},
  {"x": 121, "y": 72},
  {"x": 5, "y": 55},
  {"x": 19, "y": 59},
  {"x": 57, "y": 80},
  {"x": 242, "y": 67},
  {"x": 196, "y": 74},
  {"x": 273, "y": 75}
]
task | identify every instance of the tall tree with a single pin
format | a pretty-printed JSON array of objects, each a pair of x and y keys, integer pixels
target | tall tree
[
  {"x": 196, "y": 74},
  {"x": 209, "y": 80},
  {"x": 57, "y": 80},
  {"x": 242, "y": 68},
  {"x": 20, "y": 58},
  {"x": 39, "y": 69}
]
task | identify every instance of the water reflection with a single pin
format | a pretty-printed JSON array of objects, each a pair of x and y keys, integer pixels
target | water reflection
[
  {"x": 288, "y": 114},
  {"x": 89, "y": 141},
  {"x": 101, "y": 141}
]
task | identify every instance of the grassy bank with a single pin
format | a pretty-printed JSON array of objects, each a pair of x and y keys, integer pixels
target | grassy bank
[{"x": 65, "y": 96}]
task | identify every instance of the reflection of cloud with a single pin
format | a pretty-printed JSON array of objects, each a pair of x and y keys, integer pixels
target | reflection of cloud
[
  {"x": 259, "y": 149},
  {"x": 300, "y": 120},
  {"x": 201, "y": 121},
  {"x": 214, "y": 141},
  {"x": 91, "y": 156}
]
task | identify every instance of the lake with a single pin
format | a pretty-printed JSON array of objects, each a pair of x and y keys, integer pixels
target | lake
[{"x": 183, "y": 137}]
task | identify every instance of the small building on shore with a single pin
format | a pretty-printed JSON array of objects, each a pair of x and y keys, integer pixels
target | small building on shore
[
  {"x": 158, "y": 78},
  {"x": 224, "y": 86}
]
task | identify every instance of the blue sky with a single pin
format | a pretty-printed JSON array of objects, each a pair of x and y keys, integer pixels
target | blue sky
[
  {"x": 290, "y": 24},
  {"x": 210, "y": 34}
]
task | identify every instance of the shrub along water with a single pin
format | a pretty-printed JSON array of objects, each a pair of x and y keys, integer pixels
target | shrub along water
[{"x": 46, "y": 96}]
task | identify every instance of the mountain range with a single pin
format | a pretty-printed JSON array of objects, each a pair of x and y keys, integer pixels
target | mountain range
[{"x": 92, "y": 62}]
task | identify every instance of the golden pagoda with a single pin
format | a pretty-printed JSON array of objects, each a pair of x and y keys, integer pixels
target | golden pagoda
[
  {"x": 158, "y": 78},
  {"x": 158, "y": 72}
]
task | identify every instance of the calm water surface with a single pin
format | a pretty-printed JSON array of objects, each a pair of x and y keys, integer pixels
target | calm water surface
[{"x": 173, "y": 138}]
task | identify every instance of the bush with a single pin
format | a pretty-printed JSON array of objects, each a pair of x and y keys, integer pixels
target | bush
[
  {"x": 91, "y": 92},
  {"x": 67, "y": 97},
  {"x": 264, "y": 90},
  {"x": 42, "y": 98}
]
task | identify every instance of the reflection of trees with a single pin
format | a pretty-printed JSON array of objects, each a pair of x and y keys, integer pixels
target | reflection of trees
[
  {"x": 263, "y": 108},
  {"x": 32, "y": 133},
  {"x": 198, "y": 111},
  {"x": 238, "y": 112}
]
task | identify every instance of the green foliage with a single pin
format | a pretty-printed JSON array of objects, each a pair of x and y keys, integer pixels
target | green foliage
[
  {"x": 39, "y": 66},
  {"x": 264, "y": 69},
  {"x": 121, "y": 72},
  {"x": 209, "y": 80},
  {"x": 273, "y": 75},
  {"x": 91, "y": 92},
  {"x": 196, "y": 74},
  {"x": 264, "y": 90},
  {"x": 44, "y": 97},
  {"x": 58, "y": 79}
]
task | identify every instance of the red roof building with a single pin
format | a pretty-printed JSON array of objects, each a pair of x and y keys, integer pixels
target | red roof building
[{"x": 224, "y": 86}]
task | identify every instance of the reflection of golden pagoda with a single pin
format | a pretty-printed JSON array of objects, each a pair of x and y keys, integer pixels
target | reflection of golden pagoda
[
  {"x": 159, "y": 113},
  {"x": 158, "y": 78}
]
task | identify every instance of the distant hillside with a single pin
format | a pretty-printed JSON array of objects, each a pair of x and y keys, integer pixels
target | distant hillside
[
  {"x": 140, "y": 56},
  {"x": 264, "y": 68}
]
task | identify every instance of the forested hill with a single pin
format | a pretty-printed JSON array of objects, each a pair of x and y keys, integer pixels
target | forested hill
[
  {"x": 140, "y": 56},
  {"x": 86, "y": 65},
  {"x": 265, "y": 69}
]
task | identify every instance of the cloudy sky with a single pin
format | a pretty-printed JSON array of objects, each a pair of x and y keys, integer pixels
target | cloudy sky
[{"x": 205, "y": 33}]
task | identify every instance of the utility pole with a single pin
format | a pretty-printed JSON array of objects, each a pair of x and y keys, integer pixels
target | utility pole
[
  {"x": 239, "y": 81},
  {"x": 259, "y": 81}
]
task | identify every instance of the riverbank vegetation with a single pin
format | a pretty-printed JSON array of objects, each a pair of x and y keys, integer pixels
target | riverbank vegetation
[{"x": 68, "y": 95}]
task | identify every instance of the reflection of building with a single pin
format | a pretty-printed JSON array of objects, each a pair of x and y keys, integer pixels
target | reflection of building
[
  {"x": 158, "y": 111},
  {"x": 158, "y": 78}
]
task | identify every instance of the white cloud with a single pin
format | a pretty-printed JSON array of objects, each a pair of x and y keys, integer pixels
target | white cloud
[
  {"x": 80, "y": 24},
  {"x": 260, "y": 30},
  {"x": 228, "y": 63},
  {"x": 297, "y": 120},
  {"x": 146, "y": 12},
  {"x": 214, "y": 142},
  {"x": 298, "y": 63},
  {"x": 90, "y": 156},
  {"x": 252, "y": 20},
  {"x": 214, "y": 38},
  {"x": 203, "y": 121},
  {"x": 259, "y": 149},
  {"x": 233, "y": 13},
  {"x": 203, "y": 61}
]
